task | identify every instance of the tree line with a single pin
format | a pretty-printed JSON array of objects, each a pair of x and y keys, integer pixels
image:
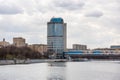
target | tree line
[{"x": 11, "y": 52}]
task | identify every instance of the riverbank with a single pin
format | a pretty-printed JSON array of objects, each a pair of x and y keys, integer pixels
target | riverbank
[{"x": 29, "y": 61}]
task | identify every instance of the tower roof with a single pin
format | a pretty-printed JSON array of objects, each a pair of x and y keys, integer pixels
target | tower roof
[{"x": 58, "y": 20}]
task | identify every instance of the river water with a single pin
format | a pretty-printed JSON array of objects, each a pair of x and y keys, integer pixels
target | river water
[{"x": 91, "y": 70}]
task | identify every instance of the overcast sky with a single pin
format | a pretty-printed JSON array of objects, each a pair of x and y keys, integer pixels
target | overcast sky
[{"x": 95, "y": 23}]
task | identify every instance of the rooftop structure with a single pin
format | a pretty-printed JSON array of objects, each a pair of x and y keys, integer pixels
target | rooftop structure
[{"x": 56, "y": 20}]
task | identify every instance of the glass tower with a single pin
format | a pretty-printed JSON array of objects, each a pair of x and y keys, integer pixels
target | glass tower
[{"x": 56, "y": 36}]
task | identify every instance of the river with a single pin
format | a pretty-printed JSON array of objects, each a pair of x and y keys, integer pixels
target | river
[{"x": 91, "y": 70}]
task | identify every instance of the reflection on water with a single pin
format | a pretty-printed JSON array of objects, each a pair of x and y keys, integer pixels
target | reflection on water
[
  {"x": 56, "y": 71},
  {"x": 90, "y": 70}
]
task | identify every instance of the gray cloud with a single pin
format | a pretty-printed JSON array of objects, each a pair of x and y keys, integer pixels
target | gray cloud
[
  {"x": 94, "y": 14},
  {"x": 69, "y": 5},
  {"x": 10, "y": 9},
  {"x": 85, "y": 21},
  {"x": 20, "y": 26}
]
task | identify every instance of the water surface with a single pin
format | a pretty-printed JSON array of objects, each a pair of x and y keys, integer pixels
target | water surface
[{"x": 93, "y": 70}]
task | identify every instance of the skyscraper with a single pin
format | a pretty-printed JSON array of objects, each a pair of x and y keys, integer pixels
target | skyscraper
[{"x": 56, "y": 36}]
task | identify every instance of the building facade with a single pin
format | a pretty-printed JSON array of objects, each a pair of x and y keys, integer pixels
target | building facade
[
  {"x": 41, "y": 48},
  {"x": 79, "y": 47},
  {"x": 115, "y": 47},
  {"x": 19, "y": 42},
  {"x": 106, "y": 51},
  {"x": 4, "y": 43},
  {"x": 56, "y": 36}
]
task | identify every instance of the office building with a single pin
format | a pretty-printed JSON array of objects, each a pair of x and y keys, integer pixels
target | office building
[
  {"x": 56, "y": 36},
  {"x": 19, "y": 42}
]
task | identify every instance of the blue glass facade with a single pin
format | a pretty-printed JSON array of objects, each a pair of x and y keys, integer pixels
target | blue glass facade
[
  {"x": 97, "y": 52},
  {"x": 57, "y": 20},
  {"x": 56, "y": 35},
  {"x": 55, "y": 29},
  {"x": 74, "y": 52}
]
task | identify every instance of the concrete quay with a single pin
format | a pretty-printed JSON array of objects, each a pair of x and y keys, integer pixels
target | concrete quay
[{"x": 29, "y": 61}]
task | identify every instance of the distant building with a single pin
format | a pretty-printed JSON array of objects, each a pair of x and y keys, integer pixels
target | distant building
[
  {"x": 115, "y": 47},
  {"x": 87, "y": 51},
  {"x": 79, "y": 47},
  {"x": 106, "y": 51},
  {"x": 56, "y": 36},
  {"x": 4, "y": 43},
  {"x": 41, "y": 48},
  {"x": 19, "y": 42}
]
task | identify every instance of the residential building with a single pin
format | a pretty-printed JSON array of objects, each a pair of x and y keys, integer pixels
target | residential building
[
  {"x": 56, "y": 36},
  {"x": 79, "y": 47},
  {"x": 19, "y": 42},
  {"x": 4, "y": 43},
  {"x": 41, "y": 48}
]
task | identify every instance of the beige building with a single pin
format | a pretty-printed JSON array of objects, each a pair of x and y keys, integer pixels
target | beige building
[
  {"x": 79, "y": 47},
  {"x": 107, "y": 50},
  {"x": 4, "y": 43},
  {"x": 19, "y": 42},
  {"x": 42, "y": 48}
]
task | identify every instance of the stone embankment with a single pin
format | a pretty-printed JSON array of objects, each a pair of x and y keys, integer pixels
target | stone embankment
[{"x": 28, "y": 61}]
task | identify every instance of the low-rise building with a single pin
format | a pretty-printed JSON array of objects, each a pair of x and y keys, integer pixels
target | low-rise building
[
  {"x": 115, "y": 47},
  {"x": 19, "y": 42},
  {"x": 41, "y": 48},
  {"x": 107, "y": 50},
  {"x": 4, "y": 43},
  {"x": 79, "y": 47}
]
